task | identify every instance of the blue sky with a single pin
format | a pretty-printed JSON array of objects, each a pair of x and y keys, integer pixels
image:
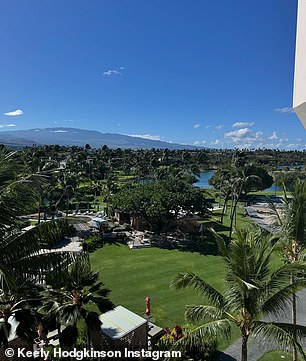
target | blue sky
[{"x": 212, "y": 73}]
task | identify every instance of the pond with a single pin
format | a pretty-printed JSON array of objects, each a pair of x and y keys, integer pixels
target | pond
[{"x": 207, "y": 174}]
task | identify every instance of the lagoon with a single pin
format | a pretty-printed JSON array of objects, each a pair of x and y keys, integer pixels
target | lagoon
[{"x": 207, "y": 174}]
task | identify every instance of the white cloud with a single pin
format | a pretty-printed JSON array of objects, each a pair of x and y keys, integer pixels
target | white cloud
[
  {"x": 216, "y": 142},
  {"x": 245, "y": 136},
  {"x": 284, "y": 110},
  {"x": 197, "y": 125},
  {"x": 219, "y": 126},
  {"x": 7, "y": 125},
  {"x": 68, "y": 120},
  {"x": 273, "y": 136},
  {"x": 243, "y": 124},
  {"x": 122, "y": 67},
  {"x": 291, "y": 145},
  {"x": 111, "y": 72},
  {"x": 258, "y": 134},
  {"x": 209, "y": 126},
  {"x": 238, "y": 134},
  {"x": 58, "y": 131},
  {"x": 14, "y": 113},
  {"x": 199, "y": 142},
  {"x": 145, "y": 136}
]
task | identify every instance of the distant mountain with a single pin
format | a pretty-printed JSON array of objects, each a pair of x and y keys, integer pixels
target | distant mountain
[{"x": 80, "y": 137}]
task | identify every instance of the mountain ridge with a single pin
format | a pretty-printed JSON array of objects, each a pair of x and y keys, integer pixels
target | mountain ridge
[{"x": 79, "y": 137}]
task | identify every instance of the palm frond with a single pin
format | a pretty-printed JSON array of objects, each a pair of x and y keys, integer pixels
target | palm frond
[
  {"x": 194, "y": 345},
  {"x": 7, "y": 281},
  {"x": 190, "y": 280},
  {"x": 104, "y": 304},
  {"x": 221, "y": 244},
  {"x": 274, "y": 210},
  {"x": 218, "y": 329},
  {"x": 282, "y": 277},
  {"x": 284, "y": 334},
  {"x": 278, "y": 302},
  {"x": 197, "y": 313}
]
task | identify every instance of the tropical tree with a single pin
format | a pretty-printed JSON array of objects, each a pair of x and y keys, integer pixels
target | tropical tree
[
  {"x": 18, "y": 307},
  {"x": 161, "y": 201},
  {"x": 236, "y": 180},
  {"x": 21, "y": 255},
  {"x": 293, "y": 232},
  {"x": 252, "y": 290},
  {"x": 70, "y": 292},
  {"x": 221, "y": 181}
]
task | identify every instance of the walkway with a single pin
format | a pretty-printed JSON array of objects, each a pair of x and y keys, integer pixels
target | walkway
[{"x": 263, "y": 215}]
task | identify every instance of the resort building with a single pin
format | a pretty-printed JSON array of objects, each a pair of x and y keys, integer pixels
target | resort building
[{"x": 299, "y": 96}]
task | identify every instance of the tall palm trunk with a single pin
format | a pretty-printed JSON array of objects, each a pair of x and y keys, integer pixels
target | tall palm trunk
[
  {"x": 244, "y": 347},
  {"x": 294, "y": 353},
  {"x": 224, "y": 208},
  {"x": 39, "y": 214},
  {"x": 233, "y": 217},
  {"x": 294, "y": 258},
  {"x": 67, "y": 205}
]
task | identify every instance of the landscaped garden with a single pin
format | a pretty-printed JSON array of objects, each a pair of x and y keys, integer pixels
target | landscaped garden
[{"x": 178, "y": 218}]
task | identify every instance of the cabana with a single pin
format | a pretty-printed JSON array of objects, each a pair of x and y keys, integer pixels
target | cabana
[{"x": 121, "y": 329}]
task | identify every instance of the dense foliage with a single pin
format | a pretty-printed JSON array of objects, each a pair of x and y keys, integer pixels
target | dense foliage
[
  {"x": 252, "y": 290},
  {"x": 160, "y": 202}
]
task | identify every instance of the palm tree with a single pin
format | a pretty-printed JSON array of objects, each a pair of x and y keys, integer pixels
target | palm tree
[
  {"x": 109, "y": 187},
  {"x": 21, "y": 251},
  {"x": 71, "y": 292},
  {"x": 222, "y": 182},
  {"x": 18, "y": 306},
  {"x": 252, "y": 290},
  {"x": 293, "y": 231}
]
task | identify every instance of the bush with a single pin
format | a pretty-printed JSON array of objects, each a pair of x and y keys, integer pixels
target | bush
[
  {"x": 91, "y": 243},
  {"x": 202, "y": 350}
]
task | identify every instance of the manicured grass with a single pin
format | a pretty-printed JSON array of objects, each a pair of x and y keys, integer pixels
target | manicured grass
[
  {"x": 134, "y": 274},
  {"x": 276, "y": 355}
]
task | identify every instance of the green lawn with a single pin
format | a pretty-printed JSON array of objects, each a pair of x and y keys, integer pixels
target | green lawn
[{"x": 134, "y": 274}]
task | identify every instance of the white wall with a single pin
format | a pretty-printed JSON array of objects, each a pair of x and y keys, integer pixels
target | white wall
[{"x": 299, "y": 95}]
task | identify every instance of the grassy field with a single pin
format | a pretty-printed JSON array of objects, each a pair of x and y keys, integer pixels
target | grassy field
[{"x": 134, "y": 274}]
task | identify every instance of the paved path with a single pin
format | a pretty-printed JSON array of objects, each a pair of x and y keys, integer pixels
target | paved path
[
  {"x": 261, "y": 214},
  {"x": 72, "y": 245},
  {"x": 257, "y": 348}
]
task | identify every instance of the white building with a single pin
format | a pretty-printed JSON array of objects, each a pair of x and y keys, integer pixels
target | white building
[{"x": 299, "y": 96}]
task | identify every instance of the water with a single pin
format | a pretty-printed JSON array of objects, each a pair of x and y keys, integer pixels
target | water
[
  {"x": 274, "y": 188},
  {"x": 206, "y": 175},
  {"x": 290, "y": 167}
]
